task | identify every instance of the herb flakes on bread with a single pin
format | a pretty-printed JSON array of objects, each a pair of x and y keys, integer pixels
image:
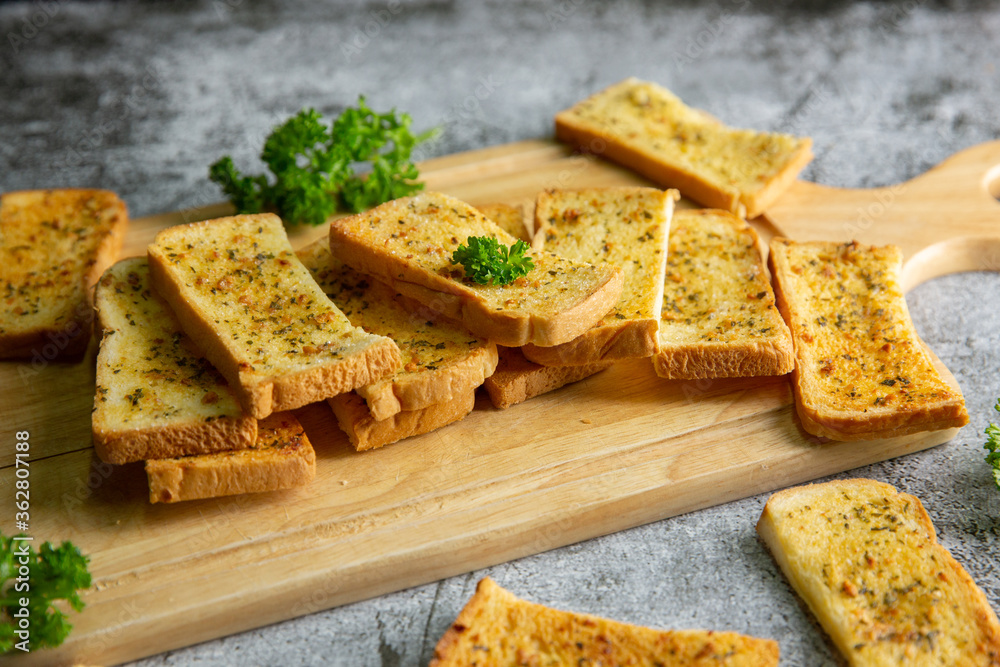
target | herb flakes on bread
[
  {"x": 866, "y": 560},
  {"x": 409, "y": 242},
  {"x": 647, "y": 128},
  {"x": 498, "y": 628},
  {"x": 626, "y": 227},
  {"x": 248, "y": 302},
  {"x": 860, "y": 369},
  {"x": 719, "y": 317},
  {"x": 157, "y": 397},
  {"x": 54, "y": 245}
]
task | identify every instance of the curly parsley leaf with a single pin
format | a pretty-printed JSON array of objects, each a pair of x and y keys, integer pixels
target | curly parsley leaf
[
  {"x": 993, "y": 447},
  {"x": 312, "y": 165},
  {"x": 487, "y": 261},
  {"x": 54, "y": 573}
]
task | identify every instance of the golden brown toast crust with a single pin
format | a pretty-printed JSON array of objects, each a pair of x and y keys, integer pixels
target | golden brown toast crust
[
  {"x": 866, "y": 560},
  {"x": 408, "y": 243},
  {"x": 497, "y": 628},
  {"x": 157, "y": 397},
  {"x": 54, "y": 245},
  {"x": 366, "y": 433},
  {"x": 250, "y": 305},
  {"x": 516, "y": 379},
  {"x": 861, "y": 371},
  {"x": 281, "y": 458},
  {"x": 719, "y": 317},
  {"x": 645, "y": 127}
]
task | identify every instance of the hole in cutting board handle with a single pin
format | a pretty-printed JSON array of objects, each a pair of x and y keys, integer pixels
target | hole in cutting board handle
[{"x": 993, "y": 182}]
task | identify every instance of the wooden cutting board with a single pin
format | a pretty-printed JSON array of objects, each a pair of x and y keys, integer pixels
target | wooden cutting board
[{"x": 619, "y": 449}]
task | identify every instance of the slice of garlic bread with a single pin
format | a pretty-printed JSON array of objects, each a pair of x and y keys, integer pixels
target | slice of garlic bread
[
  {"x": 647, "y": 128},
  {"x": 157, "y": 397},
  {"x": 860, "y": 369},
  {"x": 719, "y": 317},
  {"x": 866, "y": 560},
  {"x": 498, "y": 628},
  {"x": 625, "y": 227},
  {"x": 409, "y": 242},
  {"x": 365, "y": 432},
  {"x": 516, "y": 379},
  {"x": 509, "y": 218},
  {"x": 440, "y": 359},
  {"x": 281, "y": 458},
  {"x": 54, "y": 245},
  {"x": 247, "y": 301}
]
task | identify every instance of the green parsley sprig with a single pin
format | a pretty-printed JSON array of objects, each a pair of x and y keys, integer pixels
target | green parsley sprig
[
  {"x": 487, "y": 261},
  {"x": 993, "y": 447},
  {"x": 54, "y": 573},
  {"x": 312, "y": 165}
]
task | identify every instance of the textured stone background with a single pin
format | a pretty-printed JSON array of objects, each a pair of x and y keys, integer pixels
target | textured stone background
[{"x": 141, "y": 97}]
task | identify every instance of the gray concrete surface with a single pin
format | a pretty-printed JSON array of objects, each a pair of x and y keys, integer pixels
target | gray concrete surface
[{"x": 141, "y": 97}]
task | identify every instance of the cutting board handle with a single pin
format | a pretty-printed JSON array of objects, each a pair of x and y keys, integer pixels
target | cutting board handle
[{"x": 946, "y": 220}]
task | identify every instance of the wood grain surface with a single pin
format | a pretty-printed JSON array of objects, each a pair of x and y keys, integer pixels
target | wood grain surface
[{"x": 616, "y": 450}]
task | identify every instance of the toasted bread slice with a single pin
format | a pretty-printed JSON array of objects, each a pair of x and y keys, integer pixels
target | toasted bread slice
[
  {"x": 441, "y": 360},
  {"x": 157, "y": 397},
  {"x": 248, "y": 302},
  {"x": 516, "y": 379},
  {"x": 628, "y": 228},
  {"x": 365, "y": 432},
  {"x": 647, "y": 128},
  {"x": 509, "y": 218},
  {"x": 860, "y": 369},
  {"x": 409, "y": 242},
  {"x": 498, "y": 628},
  {"x": 54, "y": 245},
  {"x": 719, "y": 317},
  {"x": 281, "y": 458},
  {"x": 866, "y": 560}
]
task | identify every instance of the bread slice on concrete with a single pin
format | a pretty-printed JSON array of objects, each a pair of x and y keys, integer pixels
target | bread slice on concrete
[
  {"x": 510, "y": 218},
  {"x": 157, "y": 397},
  {"x": 866, "y": 560},
  {"x": 409, "y": 242},
  {"x": 516, "y": 379},
  {"x": 281, "y": 458},
  {"x": 247, "y": 301},
  {"x": 719, "y": 317},
  {"x": 625, "y": 227},
  {"x": 647, "y": 128},
  {"x": 54, "y": 245},
  {"x": 861, "y": 371},
  {"x": 365, "y": 432},
  {"x": 440, "y": 360},
  {"x": 498, "y": 628}
]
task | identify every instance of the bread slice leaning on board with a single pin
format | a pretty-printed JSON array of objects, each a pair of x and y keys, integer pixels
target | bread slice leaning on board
[
  {"x": 626, "y": 227},
  {"x": 719, "y": 317},
  {"x": 440, "y": 359},
  {"x": 280, "y": 458},
  {"x": 54, "y": 245},
  {"x": 250, "y": 305},
  {"x": 866, "y": 560},
  {"x": 408, "y": 243},
  {"x": 498, "y": 628},
  {"x": 647, "y": 128},
  {"x": 157, "y": 397},
  {"x": 861, "y": 371}
]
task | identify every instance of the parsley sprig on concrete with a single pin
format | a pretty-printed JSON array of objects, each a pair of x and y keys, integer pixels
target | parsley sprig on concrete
[
  {"x": 312, "y": 165},
  {"x": 487, "y": 261}
]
